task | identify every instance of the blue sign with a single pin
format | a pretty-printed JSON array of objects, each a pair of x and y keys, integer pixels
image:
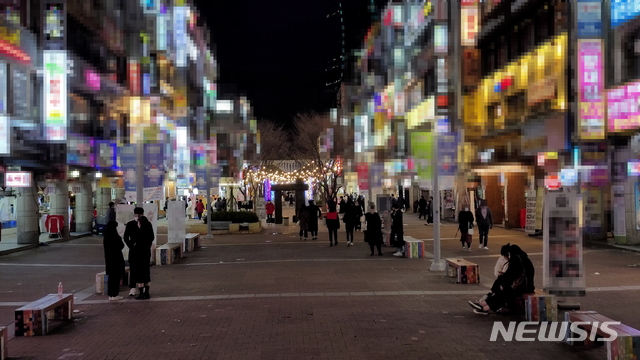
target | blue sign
[
  {"x": 128, "y": 157},
  {"x": 215, "y": 172},
  {"x": 146, "y": 84},
  {"x": 106, "y": 155},
  {"x": 448, "y": 154},
  {"x": 153, "y": 165},
  {"x": 201, "y": 178},
  {"x": 589, "y": 18},
  {"x": 623, "y": 11}
]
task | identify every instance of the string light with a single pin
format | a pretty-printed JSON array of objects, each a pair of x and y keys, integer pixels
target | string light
[{"x": 309, "y": 172}]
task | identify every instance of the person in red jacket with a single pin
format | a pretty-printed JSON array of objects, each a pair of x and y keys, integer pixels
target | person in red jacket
[
  {"x": 270, "y": 208},
  {"x": 333, "y": 224},
  {"x": 200, "y": 209}
]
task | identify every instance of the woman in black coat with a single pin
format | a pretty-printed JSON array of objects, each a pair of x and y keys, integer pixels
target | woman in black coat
[
  {"x": 397, "y": 230},
  {"x": 143, "y": 257},
  {"x": 314, "y": 215},
  {"x": 374, "y": 230},
  {"x": 351, "y": 217},
  {"x": 465, "y": 221},
  {"x": 509, "y": 285},
  {"x": 113, "y": 259}
]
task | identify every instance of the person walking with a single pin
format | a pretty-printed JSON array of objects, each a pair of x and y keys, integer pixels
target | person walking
[
  {"x": 397, "y": 230},
  {"x": 333, "y": 225},
  {"x": 314, "y": 214},
  {"x": 422, "y": 208},
  {"x": 113, "y": 259},
  {"x": 303, "y": 221},
  {"x": 143, "y": 254},
  {"x": 484, "y": 219},
  {"x": 131, "y": 236},
  {"x": 269, "y": 208},
  {"x": 465, "y": 225},
  {"x": 111, "y": 213},
  {"x": 166, "y": 205},
  {"x": 430, "y": 211},
  {"x": 373, "y": 234},
  {"x": 351, "y": 218},
  {"x": 199, "y": 209},
  {"x": 189, "y": 208}
]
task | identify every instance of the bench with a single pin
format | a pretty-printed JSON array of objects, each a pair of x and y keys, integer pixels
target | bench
[
  {"x": 625, "y": 346},
  {"x": 465, "y": 271},
  {"x": 102, "y": 278},
  {"x": 413, "y": 248},
  {"x": 191, "y": 242},
  {"x": 33, "y": 318},
  {"x": 539, "y": 306},
  {"x": 4, "y": 338},
  {"x": 168, "y": 253}
]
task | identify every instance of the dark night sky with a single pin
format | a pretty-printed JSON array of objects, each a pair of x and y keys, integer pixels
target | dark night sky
[{"x": 273, "y": 50}]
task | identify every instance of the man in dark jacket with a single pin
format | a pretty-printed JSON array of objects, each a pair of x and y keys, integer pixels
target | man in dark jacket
[
  {"x": 397, "y": 230},
  {"x": 422, "y": 207},
  {"x": 111, "y": 214},
  {"x": 131, "y": 235},
  {"x": 485, "y": 222}
]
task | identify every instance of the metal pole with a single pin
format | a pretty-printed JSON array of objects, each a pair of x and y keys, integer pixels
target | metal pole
[
  {"x": 209, "y": 202},
  {"x": 438, "y": 263},
  {"x": 140, "y": 172}
]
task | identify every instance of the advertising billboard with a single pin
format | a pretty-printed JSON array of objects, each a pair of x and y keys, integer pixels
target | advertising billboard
[
  {"x": 590, "y": 89},
  {"x": 17, "y": 179},
  {"x": 623, "y": 112},
  {"x": 5, "y": 139},
  {"x": 469, "y": 22},
  {"x": 623, "y": 11},
  {"x": 180, "y": 34},
  {"x": 589, "y": 15},
  {"x": 55, "y": 95}
]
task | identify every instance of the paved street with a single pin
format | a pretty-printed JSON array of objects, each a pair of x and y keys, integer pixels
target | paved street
[{"x": 272, "y": 296}]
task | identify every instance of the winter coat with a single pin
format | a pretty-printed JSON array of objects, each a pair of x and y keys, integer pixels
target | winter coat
[
  {"x": 113, "y": 259},
  {"x": 396, "y": 222},
  {"x": 517, "y": 265},
  {"x": 343, "y": 207},
  {"x": 314, "y": 215},
  {"x": 422, "y": 204},
  {"x": 352, "y": 214},
  {"x": 482, "y": 221},
  {"x": 111, "y": 215},
  {"x": 131, "y": 235},
  {"x": 464, "y": 219},
  {"x": 199, "y": 207},
  {"x": 333, "y": 222},
  {"x": 140, "y": 272},
  {"x": 374, "y": 228},
  {"x": 303, "y": 219},
  {"x": 270, "y": 208}
]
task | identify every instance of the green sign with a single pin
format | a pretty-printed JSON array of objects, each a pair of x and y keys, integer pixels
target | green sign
[{"x": 422, "y": 153}]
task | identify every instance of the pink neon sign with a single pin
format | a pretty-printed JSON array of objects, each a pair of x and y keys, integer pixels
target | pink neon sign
[
  {"x": 590, "y": 86},
  {"x": 623, "y": 111},
  {"x": 92, "y": 79}
]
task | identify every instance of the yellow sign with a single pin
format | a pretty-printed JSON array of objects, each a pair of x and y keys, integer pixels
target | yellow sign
[
  {"x": 542, "y": 90},
  {"x": 12, "y": 37}
]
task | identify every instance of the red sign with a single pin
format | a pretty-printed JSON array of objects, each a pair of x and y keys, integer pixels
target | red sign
[
  {"x": 443, "y": 101},
  {"x": 14, "y": 52},
  {"x": 17, "y": 179},
  {"x": 134, "y": 77},
  {"x": 552, "y": 182}
]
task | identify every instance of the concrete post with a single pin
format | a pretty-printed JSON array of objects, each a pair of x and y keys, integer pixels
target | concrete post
[
  {"x": 84, "y": 208},
  {"x": 27, "y": 217},
  {"x": 103, "y": 198},
  {"x": 59, "y": 204}
]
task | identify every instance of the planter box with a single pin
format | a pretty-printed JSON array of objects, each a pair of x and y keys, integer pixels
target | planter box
[
  {"x": 251, "y": 228},
  {"x": 220, "y": 225}
]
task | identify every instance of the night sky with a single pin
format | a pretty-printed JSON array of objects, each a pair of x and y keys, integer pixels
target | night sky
[{"x": 275, "y": 51}]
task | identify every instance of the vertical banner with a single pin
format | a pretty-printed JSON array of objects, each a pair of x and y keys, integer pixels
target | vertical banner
[
  {"x": 153, "y": 172},
  {"x": 590, "y": 89},
  {"x": 3, "y": 87},
  {"x": 593, "y": 220},
  {"x": 469, "y": 19},
  {"x": 180, "y": 34},
  {"x": 182, "y": 156},
  {"x": 637, "y": 201},
  {"x": 5, "y": 136},
  {"x": 530, "y": 224},
  {"x": 267, "y": 190},
  {"x": 589, "y": 15},
  {"x": 448, "y": 153},
  {"x": 55, "y": 95},
  {"x": 176, "y": 221},
  {"x": 563, "y": 267},
  {"x": 128, "y": 159},
  {"x": 363, "y": 176},
  {"x": 618, "y": 216},
  {"x": 133, "y": 71},
  {"x": 422, "y": 152},
  {"x": 539, "y": 207},
  {"x": 215, "y": 172}
]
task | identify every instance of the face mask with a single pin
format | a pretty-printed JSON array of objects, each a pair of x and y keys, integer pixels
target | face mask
[
  {"x": 135, "y": 217},
  {"x": 466, "y": 209}
]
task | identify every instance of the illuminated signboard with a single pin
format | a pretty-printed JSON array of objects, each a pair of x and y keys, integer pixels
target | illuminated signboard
[
  {"x": 162, "y": 24},
  {"x": 5, "y": 140},
  {"x": 469, "y": 17},
  {"x": 92, "y": 79},
  {"x": 134, "y": 77},
  {"x": 633, "y": 168},
  {"x": 55, "y": 95},
  {"x": 623, "y": 107},
  {"x": 180, "y": 34},
  {"x": 590, "y": 88},
  {"x": 54, "y": 26},
  {"x": 623, "y": 11},
  {"x": 17, "y": 179},
  {"x": 441, "y": 40}
]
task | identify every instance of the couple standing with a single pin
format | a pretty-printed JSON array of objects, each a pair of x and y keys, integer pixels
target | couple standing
[{"x": 138, "y": 235}]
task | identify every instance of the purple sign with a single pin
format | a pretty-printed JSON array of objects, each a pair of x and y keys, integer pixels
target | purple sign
[
  {"x": 128, "y": 156},
  {"x": 448, "y": 153},
  {"x": 267, "y": 190},
  {"x": 153, "y": 165}
]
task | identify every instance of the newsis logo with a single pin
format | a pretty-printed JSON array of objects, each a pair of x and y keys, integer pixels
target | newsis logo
[{"x": 555, "y": 331}]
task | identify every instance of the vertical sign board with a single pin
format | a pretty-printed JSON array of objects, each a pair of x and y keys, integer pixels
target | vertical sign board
[
  {"x": 590, "y": 89},
  {"x": 589, "y": 14},
  {"x": 55, "y": 95},
  {"x": 3, "y": 87},
  {"x": 530, "y": 225},
  {"x": 176, "y": 221},
  {"x": 128, "y": 160},
  {"x": 637, "y": 204},
  {"x": 619, "y": 221},
  {"x": 153, "y": 172},
  {"x": 563, "y": 269},
  {"x": 134, "y": 76},
  {"x": 180, "y": 34},
  {"x": 182, "y": 156},
  {"x": 469, "y": 21},
  {"x": 5, "y": 137},
  {"x": 422, "y": 152}
]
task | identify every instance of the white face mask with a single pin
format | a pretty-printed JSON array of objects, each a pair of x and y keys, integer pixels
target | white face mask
[
  {"x": 135, "y": 217},
  {"x": 466, "y": 209}
]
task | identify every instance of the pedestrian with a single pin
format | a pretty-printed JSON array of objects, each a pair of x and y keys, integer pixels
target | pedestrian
[
  {"x": 143, "y": 254},
  {"x": 224, "y": 204},
  {"x": 113, "y": 259},
  {"x": 131, "y": 236},
  {"x": 189, "y": 208},
  {"x": 415, "y": 206},
  {"x": 269, "y": 208},
  {"x": 291, "y": 200},
  {"x": 343, "y": 205},
  {"x": 111, "y": 213},
  {"x": 465, "y": 225},
  {"x": 397, "y": 230},
  {"x": 430, "y": 211},
  {"x": 199, "y": 209},
  {"x": 314, "y": 214},
  {"x": 484, "y": 219},
  {"x": 333, "y": 225},
  {"x": 373, "y": 234},
  {"x": 166, "y": 204},
  {"x": 351, "y": 218},
  {"x": 303, "y": 221},
  {"x": 422, "y": 208}
]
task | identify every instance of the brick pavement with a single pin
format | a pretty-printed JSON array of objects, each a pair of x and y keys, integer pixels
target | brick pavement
[{"x": 241, "y": 297}]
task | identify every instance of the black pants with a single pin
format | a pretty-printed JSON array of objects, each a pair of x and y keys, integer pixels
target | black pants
[
  {"x": 397, "y": 239},
  {"x": 464, "y": 239},
  {"x": 199, "y": 216},
  {"x": 350, "y": 232},
  {"x": 333, "y": 235},
  {"x": 113, "y": 284},
  {"x": 483, "y": 231},
  {"x": 314, "y": 233},
  {"x": 371, "y": 246},
  {"x": 269, "y": 217},
  {"x": 306, "y": 233}
]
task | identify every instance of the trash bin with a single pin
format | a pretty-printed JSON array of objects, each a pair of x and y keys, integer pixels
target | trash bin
[{"x": 285, "y": 221}]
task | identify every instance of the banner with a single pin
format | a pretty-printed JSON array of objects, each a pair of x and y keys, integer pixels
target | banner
[
  {"x": 176, "y": 221},
  {"x": 422, "y": 152},
  {"x": 562, "y": 266},
  {"x": 128, "y": 159},
  {"x": 201, "y": 179},
  {"x": 153, "y": 165},
  {"x": 593, "y": 220},
  {"x": 618, "y": 207},
  {"x": 530, "y": 226},
  {"x": 590, "y": 88},
  {"x": 539, "y": 207},
  {"x": 448, "y": 154}
]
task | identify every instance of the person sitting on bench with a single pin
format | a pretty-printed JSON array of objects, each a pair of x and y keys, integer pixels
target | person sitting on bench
[{"x": 516, "y": 281}]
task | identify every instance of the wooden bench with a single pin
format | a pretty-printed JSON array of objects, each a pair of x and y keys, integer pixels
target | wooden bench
[
  {"x": 102, "y": 279},
  {"x": 168, "y": 253},
  {"x": 4, "y": 339},
  {"x": 191, "y": 242},
  {"x": 33, "y": 318},
  {"x": 465, "y": 271},
  {"x": 539, "y": 306},
  {"x": 625, "y": 346}
]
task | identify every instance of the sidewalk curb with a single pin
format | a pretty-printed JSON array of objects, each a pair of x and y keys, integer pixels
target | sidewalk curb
[{"x": 34, "y": 246}]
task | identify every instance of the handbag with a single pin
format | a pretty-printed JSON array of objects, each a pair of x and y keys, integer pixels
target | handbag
[{"x": 470, "y": 232}]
